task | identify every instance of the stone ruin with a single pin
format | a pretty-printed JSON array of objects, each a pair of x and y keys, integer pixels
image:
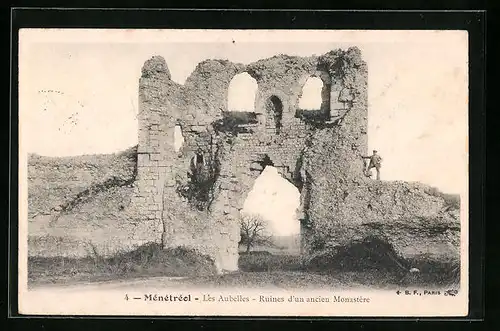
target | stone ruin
[{"x": 193, "y": 195}]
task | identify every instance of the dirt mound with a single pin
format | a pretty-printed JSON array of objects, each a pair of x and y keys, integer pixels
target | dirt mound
[
  {"x": 146, "y": 261},
  {"x": 154, "y": 260},
  {"x": 375, "y": 255},
  {"x": 370, "y": 253},
  {"x": 269, "y": 262},
  {"x": 415, "y": 219},
  {"x": 105, "y": 222}
]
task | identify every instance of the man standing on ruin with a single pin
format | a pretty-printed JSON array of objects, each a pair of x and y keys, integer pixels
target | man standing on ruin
[{"x": 375, "y": 162}]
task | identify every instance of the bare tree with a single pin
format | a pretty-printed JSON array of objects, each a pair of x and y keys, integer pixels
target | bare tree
[{"x": 253, "y": 230}]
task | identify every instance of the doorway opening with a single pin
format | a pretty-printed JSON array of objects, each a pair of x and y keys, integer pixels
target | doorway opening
[{"x": 269, "y": 224}]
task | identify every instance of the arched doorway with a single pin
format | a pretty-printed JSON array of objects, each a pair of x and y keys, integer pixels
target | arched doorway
[
  {"x": 269, "y": 211},
  {"x": 178, "y": 138},
  {"x": 274, "y": 109}
]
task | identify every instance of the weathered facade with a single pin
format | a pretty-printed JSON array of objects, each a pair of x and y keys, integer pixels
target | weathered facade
[
  {"x": 197, "y": 192},
  {"x": 192, "y": 196}
]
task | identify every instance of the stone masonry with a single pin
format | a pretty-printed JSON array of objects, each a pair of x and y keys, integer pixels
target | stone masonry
[{"x": 235, "y": 153}]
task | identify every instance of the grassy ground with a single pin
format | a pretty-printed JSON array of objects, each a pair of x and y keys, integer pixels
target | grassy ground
[
  {"x": 256, "y": 270},
  {"x": 147, "y": 261},
  {"x": 289, "y": 271},
  {"x": 265, "y": 262},
  {"x": 312, "y": 280}
]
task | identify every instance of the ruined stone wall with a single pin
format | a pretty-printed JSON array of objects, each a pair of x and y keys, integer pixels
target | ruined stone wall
[
  {"x": 193, "y": 196},
  {"x": 80, "y": 206},
  {"x": 319, "y": 152},
  {"x": 345, "y": 206},
  {"x": 160, "y": 101},
  {"x": 53, "y": 181}
]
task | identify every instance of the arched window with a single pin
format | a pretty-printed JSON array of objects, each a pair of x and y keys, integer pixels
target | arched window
[
  {"x": 311, "y": 98},
  {"x": 241, "y": 93}
]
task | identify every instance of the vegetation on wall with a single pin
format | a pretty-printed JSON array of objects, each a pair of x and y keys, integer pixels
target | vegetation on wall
[
  {"x": 199, "y": 189},
  {"x": 231, "y": 122}
]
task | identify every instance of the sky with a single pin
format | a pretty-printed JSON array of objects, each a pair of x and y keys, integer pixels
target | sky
[{"x": 79, "y": 90}]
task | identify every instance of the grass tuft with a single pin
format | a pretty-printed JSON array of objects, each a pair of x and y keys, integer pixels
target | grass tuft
[{"x": 265, "y": 261}]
